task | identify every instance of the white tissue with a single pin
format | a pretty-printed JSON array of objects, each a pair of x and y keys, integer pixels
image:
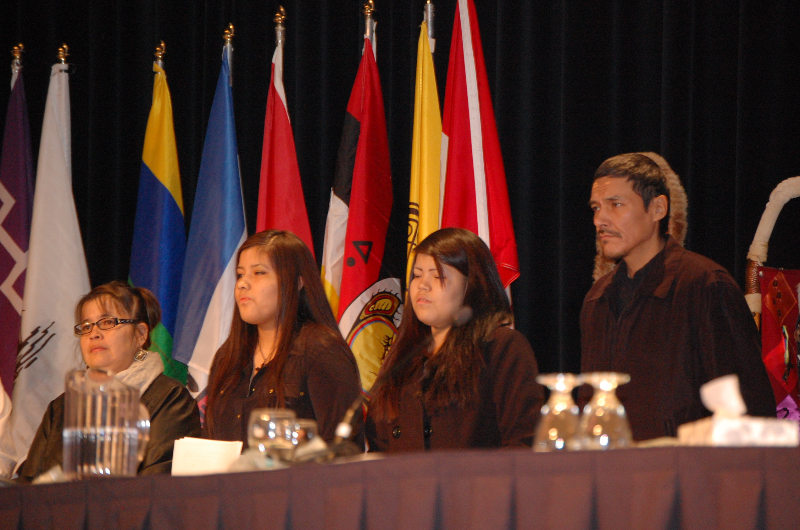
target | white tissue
[
  {"x": 728, "y": 427},
  {"x": 721, "y": 396}
]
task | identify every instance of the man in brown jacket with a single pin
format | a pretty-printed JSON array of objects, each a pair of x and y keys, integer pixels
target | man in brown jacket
[{"x": 670, "y": 318}]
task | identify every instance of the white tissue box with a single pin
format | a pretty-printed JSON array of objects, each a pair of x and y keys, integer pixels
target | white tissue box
[{"x": 743, "y": 431}]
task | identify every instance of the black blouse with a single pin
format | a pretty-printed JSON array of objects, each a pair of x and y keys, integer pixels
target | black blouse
[{"x": 320, "y": 381}]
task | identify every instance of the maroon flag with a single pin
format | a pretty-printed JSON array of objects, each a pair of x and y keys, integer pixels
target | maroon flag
[{"x": 16, "y": 196}]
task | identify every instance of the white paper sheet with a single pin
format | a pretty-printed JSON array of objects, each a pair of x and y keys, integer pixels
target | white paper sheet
[{"x": 198, "y": 456}]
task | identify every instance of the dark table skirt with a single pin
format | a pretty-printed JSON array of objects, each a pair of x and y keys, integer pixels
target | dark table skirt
[{"x": 693, "y": 488}]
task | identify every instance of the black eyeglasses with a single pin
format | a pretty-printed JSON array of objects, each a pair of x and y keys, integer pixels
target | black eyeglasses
[{"x": 105, "y": 323}]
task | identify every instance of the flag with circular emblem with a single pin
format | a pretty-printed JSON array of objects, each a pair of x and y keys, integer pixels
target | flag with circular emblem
[{"x": 366, "y": 302}]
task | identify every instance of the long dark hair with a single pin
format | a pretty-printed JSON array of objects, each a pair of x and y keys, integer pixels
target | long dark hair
[
  {"x": 452, "y": 375},
  {"x": 137, "y": 303},
  {"x": 292, "y": 262}
]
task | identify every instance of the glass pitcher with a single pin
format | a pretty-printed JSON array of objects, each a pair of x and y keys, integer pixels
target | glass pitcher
[{"x": 106, "y": 428}]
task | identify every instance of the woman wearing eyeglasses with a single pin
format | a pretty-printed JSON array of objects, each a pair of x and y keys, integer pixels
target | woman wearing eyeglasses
[{"x": 114, "y": 324}]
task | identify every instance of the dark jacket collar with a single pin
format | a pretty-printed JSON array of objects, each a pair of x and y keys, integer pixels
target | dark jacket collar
[{"x": 660, "y": 275}]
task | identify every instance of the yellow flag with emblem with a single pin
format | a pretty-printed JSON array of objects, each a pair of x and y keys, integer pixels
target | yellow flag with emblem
[{"x": 426, "y": 143}]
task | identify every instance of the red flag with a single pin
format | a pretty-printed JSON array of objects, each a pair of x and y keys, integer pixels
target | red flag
[
  {"x": 363, "y": 164},
  {"x": 364, "y": 299},
  {"x": 474, "y": 191},
  {"x": 778, "y": 347},
  {"x": 281, "y": 204}
]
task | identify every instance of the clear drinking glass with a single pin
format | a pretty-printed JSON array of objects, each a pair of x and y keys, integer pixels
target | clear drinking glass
[
  {"x": 604, "y": 424},
  {"x": 271, "y": 431},
  {"x": 558, "y": 424},
  {"x": 304, "y": 431}
]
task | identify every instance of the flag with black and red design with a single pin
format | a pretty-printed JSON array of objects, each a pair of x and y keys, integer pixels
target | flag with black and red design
[{"x": 365, "y": 301}]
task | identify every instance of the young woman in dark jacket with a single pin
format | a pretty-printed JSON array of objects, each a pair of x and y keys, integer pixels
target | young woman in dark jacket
[
  {"x": 457, "y": 376},
  {"x": 284, "y": 349}
]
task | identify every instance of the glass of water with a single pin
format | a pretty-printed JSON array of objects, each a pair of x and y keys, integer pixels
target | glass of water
[
  {"x": 271, "y": 431},
  {"x": 304, "y": 432}
]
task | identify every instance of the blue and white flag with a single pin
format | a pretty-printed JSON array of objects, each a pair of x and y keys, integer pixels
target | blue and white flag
[{"x": 218, "y": 228}]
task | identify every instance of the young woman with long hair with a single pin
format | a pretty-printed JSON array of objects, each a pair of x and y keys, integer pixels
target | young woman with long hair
[
  {"x": 457, "y": 375},
  {"x": 284, "y": 349}
]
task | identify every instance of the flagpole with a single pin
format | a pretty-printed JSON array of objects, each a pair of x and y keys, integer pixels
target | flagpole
[
  {"x": 280, "y": 29},
  {"x": 369, "y": 25},
  {"x": 16, "y": 62},
  {"x": 63, "y": 53},
  {"x": 368, "y": 8},
  {"x": 228, "y": 49},
  {"x": 160, "y": 51},
  {"x": 428, "y": 18}
]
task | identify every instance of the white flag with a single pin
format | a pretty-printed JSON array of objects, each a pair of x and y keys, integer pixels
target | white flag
[
  {"x": 57, "y": 274},
  {"x": 7, "y": 453}
]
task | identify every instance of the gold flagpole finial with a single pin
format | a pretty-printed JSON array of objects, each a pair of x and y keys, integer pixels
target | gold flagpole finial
[
  {"x": 161, "y": 49},
  {"x": 229, "y": 34},
  {"x": 369, "y": 7},
  {"x": 228, "y": 51},
  {"x": 280, "y": 16},
  {"x": 369, "y": 24},
  {"x": 63, "y": 53},
  {"x": 16, "y": 52},
  {"x": 280, "y": 29}
]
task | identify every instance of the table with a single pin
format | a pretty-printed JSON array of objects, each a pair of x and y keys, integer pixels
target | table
[{"x": 686, "y": 487}]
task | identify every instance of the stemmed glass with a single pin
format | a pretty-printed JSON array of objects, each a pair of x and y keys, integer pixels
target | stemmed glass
[
  {"x": 559, "y": 419},
  {"x": 305, "y": 431},
  {"x": 271, "y": 431},
  {"x": 604, "y": 424}
]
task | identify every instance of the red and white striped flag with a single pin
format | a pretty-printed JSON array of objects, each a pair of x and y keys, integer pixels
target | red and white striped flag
[
  {"x": 474, "y": 194},
  {"x": 281, "y": 204}
]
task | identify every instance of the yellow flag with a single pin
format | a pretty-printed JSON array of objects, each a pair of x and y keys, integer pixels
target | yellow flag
[{"x": 426, "y": 144}]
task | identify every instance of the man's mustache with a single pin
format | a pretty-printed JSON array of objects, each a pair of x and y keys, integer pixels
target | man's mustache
[{"x": 604, "y": 232}]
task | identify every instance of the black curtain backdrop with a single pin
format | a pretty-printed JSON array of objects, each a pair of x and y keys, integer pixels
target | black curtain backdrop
[{"x": 712, "y": 86}]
